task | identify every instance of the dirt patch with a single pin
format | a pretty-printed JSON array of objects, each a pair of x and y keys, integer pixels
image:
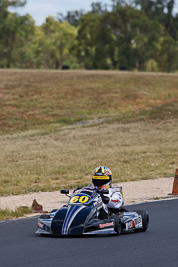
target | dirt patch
[{"x": 134, "y": 192}]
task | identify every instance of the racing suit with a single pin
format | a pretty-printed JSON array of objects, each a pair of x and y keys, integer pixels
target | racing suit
[{"x": 113, "y": 200}]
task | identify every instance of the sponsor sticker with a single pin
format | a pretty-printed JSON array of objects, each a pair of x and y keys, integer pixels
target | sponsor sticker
[
  {"x": 133, "y": 223},
  {"x": 138, "y": 222},
  {"x": 105, "y": 225},
  {"x": 115, "y": 200},
  {"x": 79, "y": 199},
  {"x": 129, "y": 225},
  {"x": 40, "y": 225}
]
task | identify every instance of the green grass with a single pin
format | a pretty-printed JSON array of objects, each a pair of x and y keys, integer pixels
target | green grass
[
  {"x": 57, "y": 126},
  {"x": 6, "y": 214}
]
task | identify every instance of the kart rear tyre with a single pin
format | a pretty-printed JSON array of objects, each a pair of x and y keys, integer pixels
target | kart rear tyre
[{"x": 145, "y": 220}]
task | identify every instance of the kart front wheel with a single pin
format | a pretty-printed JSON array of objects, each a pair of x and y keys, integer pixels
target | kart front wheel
[
  {"x": 45, "y": 216},
  {"x": 145, "y": 220},
  {"x": 53, "y": 210},
  {"x": 117, "y": 224}
]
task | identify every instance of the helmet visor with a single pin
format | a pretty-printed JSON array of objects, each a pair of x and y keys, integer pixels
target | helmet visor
[{"x": 100, "y": 180}]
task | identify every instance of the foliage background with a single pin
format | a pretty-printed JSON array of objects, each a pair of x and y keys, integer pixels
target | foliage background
[{"x": 133, "y": 35}]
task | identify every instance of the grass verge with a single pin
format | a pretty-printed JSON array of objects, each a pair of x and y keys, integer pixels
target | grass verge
[{"x": 6, "y": 214}]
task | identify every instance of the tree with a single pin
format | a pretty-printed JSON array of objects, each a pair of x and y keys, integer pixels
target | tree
[
  {"x": 22, "y": 52},
  {"x": 94, "y": 42},
  {"x": 72, "y": 17},
  {"x": 53, "y": 43},
  {"x": 4, "y": 4},
  {"x": 161, "y": 11},
  {"x": 135, "y": 37},
  {"x": 135, "y": 34},
  {"x": 167, "y": 56},
  {"x": 14, "y": 31},
  {"x": 98, "y": 8}
]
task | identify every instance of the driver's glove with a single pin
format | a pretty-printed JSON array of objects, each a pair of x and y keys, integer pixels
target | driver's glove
[{"x": 105, "y": 199}]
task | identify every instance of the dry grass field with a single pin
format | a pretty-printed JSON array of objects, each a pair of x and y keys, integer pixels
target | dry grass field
[{"x": 57, "y": 126}]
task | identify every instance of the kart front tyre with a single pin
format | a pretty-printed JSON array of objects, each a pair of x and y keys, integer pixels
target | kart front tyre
[
  {"x": 117, "y": 224},
  {"x": 45, "y": 216},
  {"x": 54, "y": 210},
  {"x": 145, "y": 220}
]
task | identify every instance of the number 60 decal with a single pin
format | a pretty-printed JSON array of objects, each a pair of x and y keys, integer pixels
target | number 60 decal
[{"x": 79, "y": 199}]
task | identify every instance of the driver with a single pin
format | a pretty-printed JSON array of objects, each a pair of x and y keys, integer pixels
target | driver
[{"x": 101, "y": 179}]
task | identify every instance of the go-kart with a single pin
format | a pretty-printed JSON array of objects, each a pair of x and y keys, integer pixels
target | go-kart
[{"x": 83, "y": 216}]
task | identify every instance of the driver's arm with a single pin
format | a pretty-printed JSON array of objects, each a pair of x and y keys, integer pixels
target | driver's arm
[{"x": 115, "y": 201}]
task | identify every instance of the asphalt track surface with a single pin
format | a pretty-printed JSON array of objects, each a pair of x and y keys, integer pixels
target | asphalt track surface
[{"x": 19, "y": 246}]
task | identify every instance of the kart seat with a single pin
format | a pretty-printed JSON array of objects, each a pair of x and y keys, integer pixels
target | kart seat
[{"x": 117, "y": 211}]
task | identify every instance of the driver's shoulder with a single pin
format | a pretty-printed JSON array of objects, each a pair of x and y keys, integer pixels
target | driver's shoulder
[{"x": 114, "y": 190}]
